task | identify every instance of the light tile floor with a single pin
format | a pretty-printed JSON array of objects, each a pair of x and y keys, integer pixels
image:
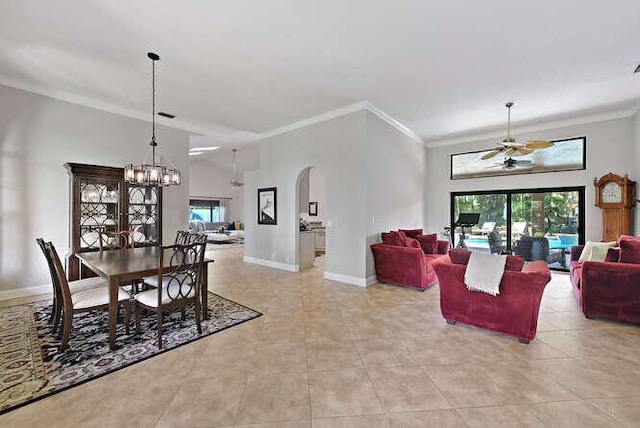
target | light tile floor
[{"x": 326, "y": 354}]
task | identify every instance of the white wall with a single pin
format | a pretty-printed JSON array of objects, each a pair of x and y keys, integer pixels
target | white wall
[
  {"x": 336, "y": 148},
  {"x": 609, "y": 145},
  {"x": 37, "y": 136},
  {"x": 396, "y": 174},
  {"x": 374, "y": 176},
  {"x": 210, "y": 181}
]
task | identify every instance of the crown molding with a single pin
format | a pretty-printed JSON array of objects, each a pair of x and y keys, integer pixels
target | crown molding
[
  {"x": 601, "y": 117},
  {"x": 323, "y": 117},
  {"x": 107, "y": 107},
  {"x": 340, "y": 112},
  {"x": 635, "y": 108},
  {"x": 391, "y": 121}
]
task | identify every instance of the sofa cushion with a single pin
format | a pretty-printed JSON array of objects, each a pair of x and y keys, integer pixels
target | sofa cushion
[
  {"x": 595, "y": 251},
  {"x": 629, "y": 251},
  {"x": 429, "y": 243},
  {"x": 411, "y": 233},
  {"x": 392, "y": 238},
  {"x": 461, "y": 257}
]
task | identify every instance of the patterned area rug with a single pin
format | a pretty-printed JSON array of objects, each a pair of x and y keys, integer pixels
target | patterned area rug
[{"x": 32, "y": 368}]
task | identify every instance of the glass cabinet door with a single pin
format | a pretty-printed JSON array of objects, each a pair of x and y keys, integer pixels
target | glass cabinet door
[
  {"x": 143, "y": 214},
  {"x": 99, "y": 210}
]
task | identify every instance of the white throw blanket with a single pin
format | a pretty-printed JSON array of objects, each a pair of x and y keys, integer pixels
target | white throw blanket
[{"x": 484, "y": 272}]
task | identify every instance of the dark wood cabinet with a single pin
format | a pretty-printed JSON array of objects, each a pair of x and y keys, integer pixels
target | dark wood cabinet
[{"x": 100, "y": 200}]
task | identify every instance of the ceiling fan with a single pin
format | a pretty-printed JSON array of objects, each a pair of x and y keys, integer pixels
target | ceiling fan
[
  {"x": 510, "y": 163},
  {"x": 511, "y": 148}
]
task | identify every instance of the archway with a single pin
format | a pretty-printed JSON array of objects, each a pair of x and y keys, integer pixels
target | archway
[{"x": 310, "y": 211}]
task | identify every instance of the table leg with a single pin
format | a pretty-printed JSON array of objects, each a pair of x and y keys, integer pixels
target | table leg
[
  {"x": 113, "y": 311},
  {"x": 204, "y": 300}
]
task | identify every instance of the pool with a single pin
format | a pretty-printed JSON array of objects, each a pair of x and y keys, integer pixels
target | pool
[{"x": 557, "y": 241}]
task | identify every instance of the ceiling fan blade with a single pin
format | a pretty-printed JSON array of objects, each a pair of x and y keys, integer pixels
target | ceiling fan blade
[
  {"x": 512, "y": 151},
  {"x": 538, "y": 144},
  {"x": 523, "y": 151},
  {"x": 490, "y": 154}
]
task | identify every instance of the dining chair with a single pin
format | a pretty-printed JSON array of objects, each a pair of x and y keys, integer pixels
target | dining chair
[
  {"x": 116, "y": 240},
  {"x": 178, "y": 284},
  {"x": 183, "y": 237},
  {"x": 82, "y": 301},
  {"x": 113, "y": 240},
  {"x": 74, "y": 287}
]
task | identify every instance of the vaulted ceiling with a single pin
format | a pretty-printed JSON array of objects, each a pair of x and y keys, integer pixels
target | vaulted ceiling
[{"x": 442, "y": 69}]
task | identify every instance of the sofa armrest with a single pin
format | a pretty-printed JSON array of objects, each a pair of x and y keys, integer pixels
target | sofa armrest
[
  {"x": 443, "y": 247},
  {"x": 576, "y": 250}
]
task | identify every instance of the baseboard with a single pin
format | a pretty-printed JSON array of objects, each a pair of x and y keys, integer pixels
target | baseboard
[
  {"x": 362, "y": 282},
  {"x": 271, "y": 264},
  {"x": 18, "y": 293},
  {"x": 371, "y": 280}
]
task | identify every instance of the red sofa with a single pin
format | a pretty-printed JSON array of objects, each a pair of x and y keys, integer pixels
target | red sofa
[
  {"x": 514, "y": 311},
  {"x": 609, "y": 289},
  {"x": 409, "y": 266}
]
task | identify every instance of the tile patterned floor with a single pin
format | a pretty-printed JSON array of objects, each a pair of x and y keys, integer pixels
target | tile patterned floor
[{"x": 327, "y": 354}]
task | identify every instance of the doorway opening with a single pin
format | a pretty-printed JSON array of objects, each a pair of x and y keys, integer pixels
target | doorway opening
[{"x": 311, "y": 209}]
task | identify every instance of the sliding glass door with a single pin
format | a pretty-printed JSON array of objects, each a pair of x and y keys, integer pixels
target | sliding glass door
[{"x": 538, "y": 224}]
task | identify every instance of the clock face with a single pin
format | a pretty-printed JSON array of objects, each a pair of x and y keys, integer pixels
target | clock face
[{"x": 611, "y": 193}]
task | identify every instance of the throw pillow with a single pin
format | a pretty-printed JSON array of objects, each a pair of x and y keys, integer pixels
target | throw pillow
[
  {"x": 459, "y": 256},
  {"x": 412, "y": 233},
  {"x": 412, "y": 243},
  {"x": 515, "y": 263},
  {"x": 429, "y": 243},
  {"x": 613, "y": 255},
  {"x": 630, "y": 251},
  {"x": 392, "y": 238},
  {"x": 595, "y": 251}
]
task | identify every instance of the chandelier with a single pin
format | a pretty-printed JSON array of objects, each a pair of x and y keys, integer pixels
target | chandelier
[
  {"x": 150, "y": 173},
  {"x": 235, "y": 182}
]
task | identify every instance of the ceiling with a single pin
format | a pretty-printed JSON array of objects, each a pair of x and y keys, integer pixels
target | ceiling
[{"x": 442, "y": 69}]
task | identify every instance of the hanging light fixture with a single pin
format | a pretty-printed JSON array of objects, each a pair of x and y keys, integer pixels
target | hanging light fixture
[
  {"x": 235, "y": 182},
  {"x": 150, "y": 173}
]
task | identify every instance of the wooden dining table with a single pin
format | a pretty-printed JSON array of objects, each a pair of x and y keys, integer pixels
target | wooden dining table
[{"x": 125, "y": 265}]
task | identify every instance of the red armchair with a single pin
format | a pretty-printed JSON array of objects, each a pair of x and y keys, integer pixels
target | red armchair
[
  {"x": 514, "y": 311},
  {"x": 407, "y": 266},
  {"x": 609, "y": 289}
]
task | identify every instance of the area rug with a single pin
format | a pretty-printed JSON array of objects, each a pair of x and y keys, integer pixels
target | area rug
[{"x": 31, "y": 367}]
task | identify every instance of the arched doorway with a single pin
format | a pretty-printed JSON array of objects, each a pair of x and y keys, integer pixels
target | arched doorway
[{"x": 310, "y": 210}]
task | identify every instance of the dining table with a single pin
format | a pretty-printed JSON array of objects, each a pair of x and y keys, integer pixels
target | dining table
[{"x": 128, "y": 264}]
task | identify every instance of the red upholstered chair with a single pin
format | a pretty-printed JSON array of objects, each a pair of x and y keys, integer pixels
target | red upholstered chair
[{"x": 514, "y": 311}]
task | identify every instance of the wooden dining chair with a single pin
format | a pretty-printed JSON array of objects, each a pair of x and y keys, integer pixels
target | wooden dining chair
[
  {"x": 116, "y": 240},
  {"x": 113, "y": 240},
  {"x": 82, "y": 301},
  {"x": 74, "y": 287},
  {"x": 183, "y": 237},
  {"x": 178, "y": 285}
]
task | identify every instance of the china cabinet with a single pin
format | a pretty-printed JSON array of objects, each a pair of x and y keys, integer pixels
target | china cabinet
[{"x": 100, "y": 200}]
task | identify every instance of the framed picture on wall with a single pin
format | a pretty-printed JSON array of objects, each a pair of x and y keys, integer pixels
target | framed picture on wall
[
  {"x": 313, "y": 208},
  {"x": 267, "y": 206}
]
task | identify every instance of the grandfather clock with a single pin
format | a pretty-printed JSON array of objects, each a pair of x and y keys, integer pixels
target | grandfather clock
[{"x": 616, "y": 196}]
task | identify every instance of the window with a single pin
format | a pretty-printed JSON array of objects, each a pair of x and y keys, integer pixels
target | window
[
  {"x": 206, "y": 210},
  {"x": 537, "y": 224}
]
